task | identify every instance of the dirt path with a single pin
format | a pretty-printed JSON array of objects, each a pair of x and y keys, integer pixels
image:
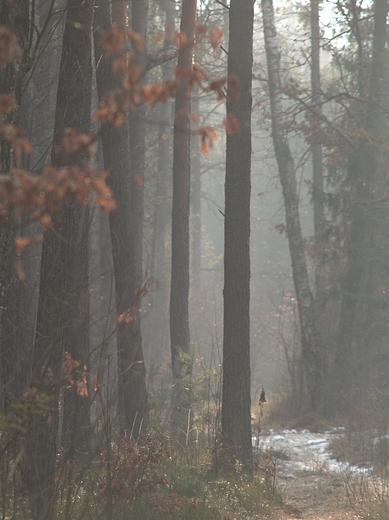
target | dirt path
[
  {"x": 313, "y": 485},
  {"x": 316, "y": 496}
]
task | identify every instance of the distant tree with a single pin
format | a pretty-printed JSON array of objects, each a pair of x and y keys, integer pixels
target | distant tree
[
  {"x": 311, "y": 347},
  {"x": 316, "y": 148},
  {"x": 159, "y": 320},
  {"x": 236, "y": 400},
  {"x": 196, "y": 196},
  {"x": 133, "y": 400},
  {"x": 365, "y": 271},
  {"x": 137, "y": 127},
  {"x": 179, "y": 294}
]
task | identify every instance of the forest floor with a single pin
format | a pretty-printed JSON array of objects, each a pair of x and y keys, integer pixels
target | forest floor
[{"x": 312, "y": 484}]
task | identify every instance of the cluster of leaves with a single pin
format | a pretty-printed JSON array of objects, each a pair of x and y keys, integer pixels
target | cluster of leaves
[
  {"x": 131, "y": 313},
  {"x": 75, "y": 375},
  {"x": 40, "y": 195},
  {"x": 132, "y": 92}
]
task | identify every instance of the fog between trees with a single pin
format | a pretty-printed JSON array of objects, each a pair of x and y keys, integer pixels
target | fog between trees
[{"x": 248, "y": 235}]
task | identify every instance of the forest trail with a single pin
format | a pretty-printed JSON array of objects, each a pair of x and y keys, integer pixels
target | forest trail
[{"x": 313, "y": 485}]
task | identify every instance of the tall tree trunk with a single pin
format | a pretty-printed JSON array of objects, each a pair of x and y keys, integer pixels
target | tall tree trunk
[
  {"x": 158, "y": 328},
  {"x": 137, "y": 125},
  {"x": 311, "y": 349},
  {"x": 63, "y": 306},
  {"x": 236, "y": 401},
  {"x": 365, "y": 168},
  {"x": 16, "y": 17},
  {"x": 317, "y": 160},
  {"x": 179, "y": 294},
  {"x": 196, "y": 199},
  {"x": 133, "y": 401}
]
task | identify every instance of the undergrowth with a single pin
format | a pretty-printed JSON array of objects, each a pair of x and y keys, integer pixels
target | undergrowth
[
  {"x": 148, "y": 481},
  {"x": 364, "y": 447}
]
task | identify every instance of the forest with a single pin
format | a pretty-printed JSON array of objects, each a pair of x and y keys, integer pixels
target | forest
[{"x": 194, "y": 252}]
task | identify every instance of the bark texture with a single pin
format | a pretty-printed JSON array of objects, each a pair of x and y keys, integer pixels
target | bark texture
[
  {"x": 311, "y": 348},
  {"x": 137, "y": 126},
  {"x": 316, "y": 149},
  {"x": 63, "y": 306},
  {"x": 196, "y": 198},
  {"x": 366, "y": 173},
  {"x": 133, "y": 401},
  {"x": 160, "y": 254},
  {"x": 236, "y": 418},
  {"x": 15, "y": 338},
  {"x": 179, "y": 294}
]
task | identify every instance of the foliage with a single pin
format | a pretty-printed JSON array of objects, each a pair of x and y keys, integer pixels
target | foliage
[
  {"x": 136, "y": 470},
  {"x": 146, "y": 480}
]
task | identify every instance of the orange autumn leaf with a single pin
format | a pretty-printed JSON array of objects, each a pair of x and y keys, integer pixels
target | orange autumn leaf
[
  {"x": 231, "y": 124},
  {"x": 45, "y": 221},
  {"x": 140, "y": 291},
  {"x": 194, "y": 117},
  {"x": 138, "y": 180},
  {"x": 215, "y": 35},
  {"x": 201, "y": 29},
  {"x": 96, "y": 384},
  {"x": 207, "y": 137},
  {"x": 137, "y": 38},
  {"x": 6, "y": 103},
  {"x": 233, "y": 86},
  {"x": 217, "y": 86},
  {"x": 19, "y": 270},
  {"x": 9, "y": 48},
  {"x": 113, "y": 40},
  {"x": 181, "y": 38},
  {"x": 21, "y": 243}
]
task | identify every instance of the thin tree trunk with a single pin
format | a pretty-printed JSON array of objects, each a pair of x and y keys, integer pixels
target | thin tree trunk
[
  {"x": 179, "y": 294},
  {"x": 317, "y": 160},
  {"x": 311, "y": 349},
  {"x": 236, "y": 401},
  {"x": 137, "y": 127},
  {"x": 133, "y": 401},
  {"x": 196, "y": 200}
]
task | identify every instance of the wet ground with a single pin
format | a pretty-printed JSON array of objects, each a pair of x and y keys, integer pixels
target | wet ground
[{"x": 314, "y": 485}]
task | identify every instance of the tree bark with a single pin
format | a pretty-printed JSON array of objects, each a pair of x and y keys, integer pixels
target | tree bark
[
  {"x": 158, "y": 331},
  {"x": 179, "y": 294},
  {"x": 137, "y": 127},
  {"x": 196, "y": 199},
  {"x": 63, "y": 306},
  {"x": 236, "y": 400},
  {"x": 14, "y": 338},
  {"x": 311, "y": 348},
  {"x": 317, "y": 160},
  {"x": 366, "y": 169},
  {"x": 133, "y": 401}
]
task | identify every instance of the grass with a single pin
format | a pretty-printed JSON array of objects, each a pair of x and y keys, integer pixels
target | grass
[
  {"x": 147, "y": 481},
  {"x": 220, "y": 499}
]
